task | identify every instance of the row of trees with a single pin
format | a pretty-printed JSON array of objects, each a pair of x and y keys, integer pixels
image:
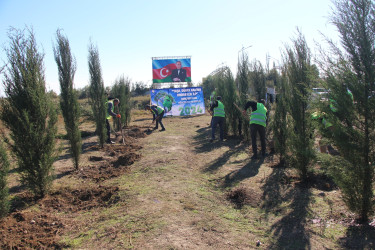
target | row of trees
[
  {"x": 350, "y": 65},
  {"x": 30, "y": 115}
]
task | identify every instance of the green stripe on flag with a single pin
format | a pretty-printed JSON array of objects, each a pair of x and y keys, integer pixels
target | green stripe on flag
[{"x": 169, "y": 79}]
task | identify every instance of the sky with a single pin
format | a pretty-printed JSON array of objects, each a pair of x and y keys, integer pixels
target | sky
[{"x": 129, "y": 33}]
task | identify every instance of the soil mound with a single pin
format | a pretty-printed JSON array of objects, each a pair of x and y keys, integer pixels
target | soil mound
[
  {"x": 21, "y": 230},
  {"x": 80, "y": 199},
  {"x": 241, "y": 196}
]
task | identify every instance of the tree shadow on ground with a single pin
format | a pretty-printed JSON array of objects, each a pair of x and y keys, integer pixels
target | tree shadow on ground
[
  {"x": 274, "y": 184},
  {"x": 359, "y": 237},
  {"x": 202, "y": 144},
  {"x": 250, "y": 169},
  {"x": 224, "y": 158},
  {"x": 290, "y": 232}
]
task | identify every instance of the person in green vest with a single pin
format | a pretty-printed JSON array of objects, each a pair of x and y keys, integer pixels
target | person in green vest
[
  {"x": 218, "y": 117},
  {"x": 323, "y": 124},
  {"x": 110, "y": 108},
  {"x": 157, "y": 115},
  {"x": 258, "y": 123}
]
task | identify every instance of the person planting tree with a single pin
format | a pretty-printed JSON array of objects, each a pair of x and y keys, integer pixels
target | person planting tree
[
  {"x": 157, "y": 113},
  {"x": 258, "y": 123},
  {"x": 110, "y": 108},
  {"x": 218, "y": 117}
]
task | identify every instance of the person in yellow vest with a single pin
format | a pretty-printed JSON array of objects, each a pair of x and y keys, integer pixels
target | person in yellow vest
[
  {"x": 258, "y": 123},
  {"x": 110, "y": 108},
  {"x": 218, "y": 111},
  {"x": 157, "y": 115}
]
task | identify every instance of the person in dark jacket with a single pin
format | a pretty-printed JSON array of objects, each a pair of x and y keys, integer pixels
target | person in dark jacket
[
  {"x": 258, "y": 123},
  {"x": 178, "y": 74},
  {"x": 218, "y": 117}
]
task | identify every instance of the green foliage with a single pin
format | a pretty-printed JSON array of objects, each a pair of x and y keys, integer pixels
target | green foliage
[
  {"x": 97, "y": 93},
  {"x": 4, "y": 195},
  {"x": 68, "y": 102},
  {"x": 139, "y": 88},
  {"x": 243, "y": 82},
  {"x": 208, "y": 86},
  {"x": 258, "y": 80},
  {"x": 297, "y": 67},
  {"x": 121, "y": 91},
  {"x": 29, "y": 113},
  {"x": 227, "y": 90},
  {"x": 353, "y": 122},
  {"x": 83, "y": 93},
  {"x": 222, "y": 80},
  {"x": 279, "y": 121}
]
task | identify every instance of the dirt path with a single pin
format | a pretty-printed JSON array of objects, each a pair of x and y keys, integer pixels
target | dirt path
[{"x": 173, "y": 190}]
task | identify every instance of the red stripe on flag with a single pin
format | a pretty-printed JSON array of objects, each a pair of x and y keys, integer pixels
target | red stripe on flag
[{"x": 188, "y": 71}]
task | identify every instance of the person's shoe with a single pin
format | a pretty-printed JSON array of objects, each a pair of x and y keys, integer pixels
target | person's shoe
[
  {"x": 264, "y": 155},
  {"x": 223, "y": 140},
  {"x": 254, "y": 157},
  {"x": 110, "y": 142},
  {"x": 155, "y": 128},
  {"x": 212, "y": 140},
  {"x": 163, "y": 129}
]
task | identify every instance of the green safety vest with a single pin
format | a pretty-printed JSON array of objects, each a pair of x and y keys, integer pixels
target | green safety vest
[
  {"x": 106, "y": 105},
  {"x": 316, "y": 115},
  {"x": 160, "y": 110},
  {"x": 219, "y": 110},
  {"x": 259, "y": 116}
]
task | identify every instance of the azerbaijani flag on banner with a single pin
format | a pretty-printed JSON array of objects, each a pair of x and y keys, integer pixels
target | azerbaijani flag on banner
[{"x": 162, "y": 69}]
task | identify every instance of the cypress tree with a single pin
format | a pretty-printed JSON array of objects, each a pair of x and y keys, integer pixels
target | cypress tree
[
  {"x": 227, "y": 90},
  {"x": 243, "y": 82},
  {"x": 4, "y": 195},
  {"x": 353, "y": 122},
  {"x": 121, "y": 90},
  {"x": 97, "y": 93},
  {"x": 29, "y": 113},
  {"x": 279, "y": 124},
  {"x": 258, "y": 80},
  {"x": 298, "y": 65},
  {"x": 69, "y": 101}
]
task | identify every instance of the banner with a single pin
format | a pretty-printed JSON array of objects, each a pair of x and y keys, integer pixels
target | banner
[
  {"x": 171, "y": 70},
  {"x": 179, "y": 102}
]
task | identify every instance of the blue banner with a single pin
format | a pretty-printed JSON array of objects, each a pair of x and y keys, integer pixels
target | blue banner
[{"x": 179, "y": 102}]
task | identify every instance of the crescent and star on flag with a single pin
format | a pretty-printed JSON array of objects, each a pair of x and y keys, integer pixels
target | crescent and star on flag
[{"x": 161, "y": 72}]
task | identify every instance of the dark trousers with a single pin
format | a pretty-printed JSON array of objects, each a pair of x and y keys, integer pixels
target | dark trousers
[
  {"x": 254, "y": 129},
  {"x": 108, "y": 129},
  {"x": 218, "y": 120},
  {"x": 160, "y": 117}
]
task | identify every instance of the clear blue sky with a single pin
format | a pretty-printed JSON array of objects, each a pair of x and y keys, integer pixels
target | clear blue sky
[{"x": 129, "y": 33}]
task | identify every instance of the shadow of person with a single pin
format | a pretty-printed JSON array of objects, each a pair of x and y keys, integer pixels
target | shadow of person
[{"x": 249, "y": 170}]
